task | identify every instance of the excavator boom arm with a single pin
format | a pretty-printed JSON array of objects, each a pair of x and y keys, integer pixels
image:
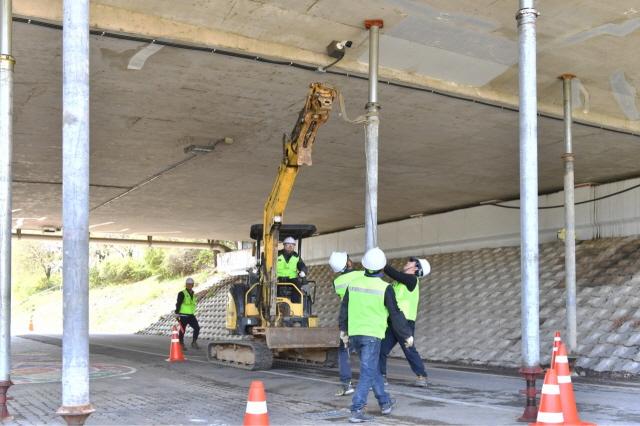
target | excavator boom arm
[{"x": 297, "y": 149}]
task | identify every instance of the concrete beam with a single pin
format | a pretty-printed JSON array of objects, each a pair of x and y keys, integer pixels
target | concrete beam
[{"x": 116, "y": 19}]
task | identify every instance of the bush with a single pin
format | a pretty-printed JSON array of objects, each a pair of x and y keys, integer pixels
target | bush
[
  {"x": 44, "y": 284},
  {"x": 166, "y": 264},
  {"x": 153, "y": 258},
  {"x": 205, "y": 259},
  {"x": 179, "y": 264},
  {"x": 185, "y": 262},
  {"x": 120, "y": 271}
]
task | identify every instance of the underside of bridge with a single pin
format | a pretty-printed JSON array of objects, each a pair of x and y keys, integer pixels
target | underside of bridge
[{"x": 164, "y": 76}]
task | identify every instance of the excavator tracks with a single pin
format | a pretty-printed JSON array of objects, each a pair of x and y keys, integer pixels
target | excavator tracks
[
  {"x": 248, "y": 354},
  {"x": 300, "y": 360},
  {"x": 253, "y": 354}
]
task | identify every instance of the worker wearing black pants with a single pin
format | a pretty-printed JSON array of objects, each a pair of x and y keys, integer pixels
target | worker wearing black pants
[
  {"x": 186, "y": 313},
  {"x": 193, "y": 322},
  {"x": 406, "y": 287}
]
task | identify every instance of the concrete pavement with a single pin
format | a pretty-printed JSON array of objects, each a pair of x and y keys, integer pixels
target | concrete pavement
[{"x": 133, "y": 384}]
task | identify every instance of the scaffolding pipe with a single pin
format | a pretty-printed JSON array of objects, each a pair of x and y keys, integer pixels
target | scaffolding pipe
[
  {"x": 529, "y": 256},
  {"x": 371, "y": 139},
  {"x": 569, "y": 216},
  {"x": 6, "y": 143},
  {"x": 76, "y": 405},
  {"x": 529, "y": 184}
]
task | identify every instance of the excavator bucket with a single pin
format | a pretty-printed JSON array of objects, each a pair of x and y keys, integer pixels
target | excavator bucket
[
  {"x": 302, "y": 337},
  {"x": 316, "y": 112}
]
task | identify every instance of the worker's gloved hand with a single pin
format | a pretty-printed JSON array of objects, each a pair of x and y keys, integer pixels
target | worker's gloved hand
[
  {"x": 301, "y": 274},
  {"x": 409, "y": 342},
  {"x": 344, "y": 337}
]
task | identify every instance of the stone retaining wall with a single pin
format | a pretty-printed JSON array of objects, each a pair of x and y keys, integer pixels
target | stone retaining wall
[{"x": 470, "y": 306}]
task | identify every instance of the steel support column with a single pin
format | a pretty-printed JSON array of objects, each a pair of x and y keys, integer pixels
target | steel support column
[
  {"x": 6, "y": 144},
  {"x": 371, "y": 138},
  {"x": 76, "y": 405},
  {"x": 569, "y": 216},
  {"x": 529, "y": 256}
]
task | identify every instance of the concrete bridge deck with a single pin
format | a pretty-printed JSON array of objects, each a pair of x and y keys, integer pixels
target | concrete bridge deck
[{"x": 133, "y": 384}]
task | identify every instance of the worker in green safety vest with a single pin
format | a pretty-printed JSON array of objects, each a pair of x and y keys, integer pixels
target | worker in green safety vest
[
  {"x": 290, "y": 269},
  {"x": 342, "y": 265},
  {"x": 289, "y": 264},
  {"x": 366, "y": 306},
  {"x": 186, "y": 314},
  {"x": 406, "y": 286}
]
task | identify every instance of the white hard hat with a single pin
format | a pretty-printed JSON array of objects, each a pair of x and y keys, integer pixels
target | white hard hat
[
  {"x": 374, "y": 259},
  {"x": 189, "y": 281},
  {"x": 424, "y": 268},
  {"x": 289, "y": 240},
  {"x": 338, "y": 261}
]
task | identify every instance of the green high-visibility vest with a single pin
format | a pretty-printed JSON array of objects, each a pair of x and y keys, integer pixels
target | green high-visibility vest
[
  {"x": 288, "y": 269},
  {"x": 341, "y": 283},
  {"x": 188, "y": 306},
  {"x": 407, "y": 300},
  {"x": 367, "y": 313}
]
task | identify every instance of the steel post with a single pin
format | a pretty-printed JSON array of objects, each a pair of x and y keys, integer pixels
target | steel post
[
  {"x": 529, "y": 256},
  {"x": 371, "y": 139},
  {"x": 569, "y": 216},
  {"x": 6, "y": 145},
  {"x": 76, "y": 406}
]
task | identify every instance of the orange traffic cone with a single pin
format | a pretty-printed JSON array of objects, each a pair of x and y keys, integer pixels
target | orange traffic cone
[
  {"x": 556, "y": 343},
  {"x": 550, "y": 412},
  {"x": 569, "y": 409},
  {"x": 256, "y": 412},
  {"x": 31, "y": 324},
  {"x": 175, "y": 350}
]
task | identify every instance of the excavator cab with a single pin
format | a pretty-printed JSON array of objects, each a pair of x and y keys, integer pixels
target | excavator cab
[{"x": 294, "y": 298}]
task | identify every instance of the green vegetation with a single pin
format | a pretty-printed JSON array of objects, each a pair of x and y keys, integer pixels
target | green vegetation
[
  {"x": 121, "y": 279},
  {"x": 37, "y": 266},
  {"x": 125, "y": 308}
]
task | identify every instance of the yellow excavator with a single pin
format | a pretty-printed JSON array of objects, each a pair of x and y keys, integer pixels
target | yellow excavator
[{"x": 268, "y": 317}]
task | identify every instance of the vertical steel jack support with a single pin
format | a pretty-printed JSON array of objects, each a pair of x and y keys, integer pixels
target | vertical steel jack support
[
  {"x": 529, "y": 251},
  {"x": 371, "y": 138},
  {"x": 569, "y": 216},
  {"x": 76, "y": 405},
  {"x": 6, "y": 148}
]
